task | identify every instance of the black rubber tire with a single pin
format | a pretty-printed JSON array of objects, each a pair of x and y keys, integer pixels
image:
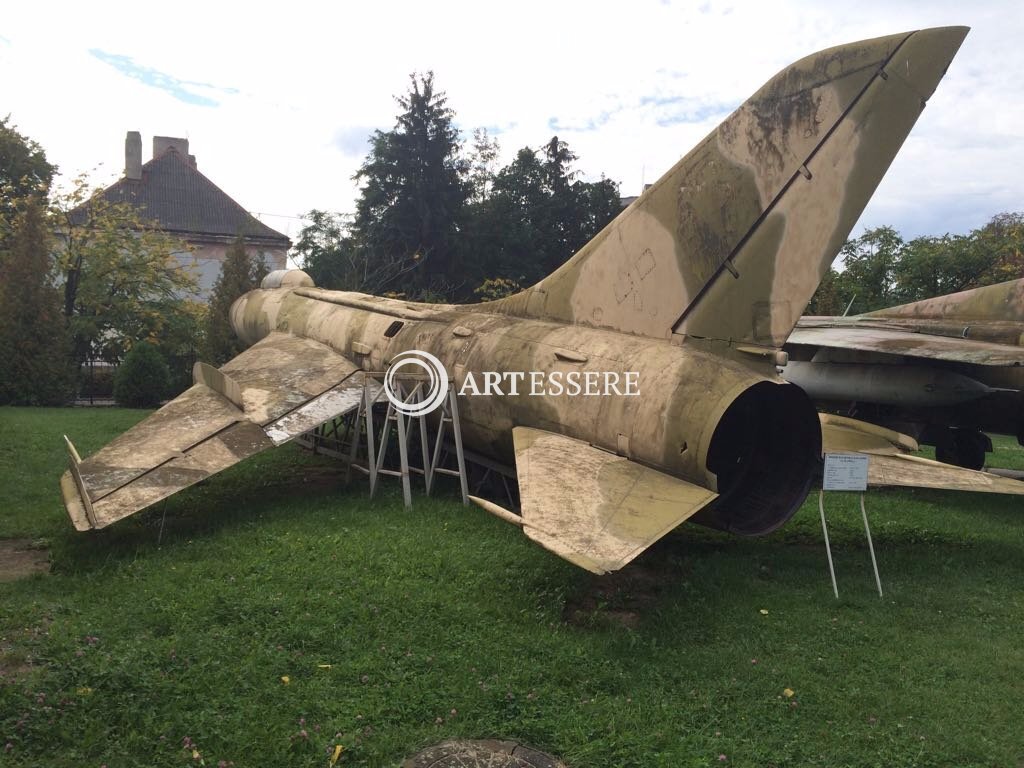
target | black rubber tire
[{"x": 963, "y": 448}]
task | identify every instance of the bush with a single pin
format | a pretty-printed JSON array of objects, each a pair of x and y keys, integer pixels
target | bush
[{"x": 142, "y": 380}]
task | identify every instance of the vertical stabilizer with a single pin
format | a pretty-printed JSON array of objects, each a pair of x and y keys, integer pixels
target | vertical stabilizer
[{"x": 732, "y": 242}]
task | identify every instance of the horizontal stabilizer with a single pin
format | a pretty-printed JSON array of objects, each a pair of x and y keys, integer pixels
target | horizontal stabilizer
[
  {"x": 593, "y": 508},
  {"x": 919, "y": 472},
  {"x": 889, "y": 462}
]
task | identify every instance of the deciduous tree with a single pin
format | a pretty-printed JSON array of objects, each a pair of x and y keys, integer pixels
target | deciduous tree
[
  {"x": 119, "y": 274},
  {"x": 483, "y": 163},
  {"x": 143, "y": 379},
  {"x": 539, "y": 214},
  {"x": 433, "y": 223},
  {"x": 327, "y": 251},
  {"x": 24, "y": 170},
  {"x": 879, "y": 269}
]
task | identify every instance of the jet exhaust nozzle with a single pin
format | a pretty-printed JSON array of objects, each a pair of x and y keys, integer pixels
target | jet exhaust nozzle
[{"x": 765, "y": 452}]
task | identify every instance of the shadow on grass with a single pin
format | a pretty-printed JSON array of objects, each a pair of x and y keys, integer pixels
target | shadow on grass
[
  {"x": 692, "y": 570},
  {"x": 267, "y": 487}
]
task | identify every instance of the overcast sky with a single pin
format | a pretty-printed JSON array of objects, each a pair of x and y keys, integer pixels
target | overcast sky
[{"x": 277, "y": 100}]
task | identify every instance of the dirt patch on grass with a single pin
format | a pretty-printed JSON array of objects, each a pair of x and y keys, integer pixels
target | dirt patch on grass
[
  {"x": 22, "y": 557},
  {"x": 14, "y": 665},
  {"x": 618, "y": 598}
]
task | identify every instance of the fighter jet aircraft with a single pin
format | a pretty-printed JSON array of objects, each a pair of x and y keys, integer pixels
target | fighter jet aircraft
[
  {"x": 686, "y": 297},
  {"x": 945, "y": 370}
]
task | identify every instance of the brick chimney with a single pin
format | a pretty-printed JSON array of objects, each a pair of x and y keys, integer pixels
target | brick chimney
[
  {"x": 133, "y": 155},
  {"x": 162, "y": 144}
]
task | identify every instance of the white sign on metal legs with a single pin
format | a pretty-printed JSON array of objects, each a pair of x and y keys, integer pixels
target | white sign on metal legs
[{"x": 846, "y": 472}]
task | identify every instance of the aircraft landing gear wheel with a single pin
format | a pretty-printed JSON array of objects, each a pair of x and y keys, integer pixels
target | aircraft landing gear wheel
[{"x": 963, "y": 448}]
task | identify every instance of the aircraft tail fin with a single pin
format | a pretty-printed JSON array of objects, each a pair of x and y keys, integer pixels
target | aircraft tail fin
[{"x": 732, "y": 242}]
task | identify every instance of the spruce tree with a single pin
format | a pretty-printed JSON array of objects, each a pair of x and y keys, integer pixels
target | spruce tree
[
  {"x": 414, "y": 193},
  {"x": 239, "y": 275}
]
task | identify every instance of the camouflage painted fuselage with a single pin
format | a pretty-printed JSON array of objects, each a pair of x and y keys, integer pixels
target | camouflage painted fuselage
[{"x": 683, "y": 391}]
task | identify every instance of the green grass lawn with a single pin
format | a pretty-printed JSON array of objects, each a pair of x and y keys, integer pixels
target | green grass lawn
[{"x": 283, "y": 613}]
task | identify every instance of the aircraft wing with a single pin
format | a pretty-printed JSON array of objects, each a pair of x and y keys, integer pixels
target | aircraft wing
[
  {"x": 591, "y": 507},
  {"x": 890, "y": 464},
  {"x": 899, "y": 341},
  {"x": 275, "y": 390}
]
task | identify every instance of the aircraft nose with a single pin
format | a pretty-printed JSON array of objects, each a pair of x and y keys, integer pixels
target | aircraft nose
[{"x": 923, "y": 58}]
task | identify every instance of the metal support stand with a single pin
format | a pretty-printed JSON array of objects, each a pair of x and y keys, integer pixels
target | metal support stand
[
  {"x": 828, "y": 546},
  {"x": 434, "y": 459},
  {"x": 871, "y": 546},
  {"x": 356, "y": 438}
]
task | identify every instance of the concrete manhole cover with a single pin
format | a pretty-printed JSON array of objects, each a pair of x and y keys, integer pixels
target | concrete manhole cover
[{"x": 481, "y": 754}]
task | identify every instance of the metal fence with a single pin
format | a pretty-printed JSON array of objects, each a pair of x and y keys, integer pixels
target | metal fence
[{"x": 96, "y": 377}]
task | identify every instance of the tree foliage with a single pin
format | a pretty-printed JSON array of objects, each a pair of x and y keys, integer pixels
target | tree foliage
[
  {"x": 880, "y": 269},
  {"x": 35, "y": 352},
  {"x": 24, "y": 170},
  {"x": 483, "y": 162},
  {"x": 121, "y": 280},
  {"x": 436, "y": 221},
  {"x": 239, "y": 274},
  {"x": 143, "y": 379},
  {"x": 494, "y": 288},
  {"x": 180, "y": 341},
  {"x": 538, "y": 214},
  {"x": 413, "y": 195},
  {"x": 439, "y": 221},
  {"x": 329, "y": 254}
]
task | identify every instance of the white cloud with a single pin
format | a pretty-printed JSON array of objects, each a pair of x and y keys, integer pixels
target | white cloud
[{"x": 640, "y": 84}]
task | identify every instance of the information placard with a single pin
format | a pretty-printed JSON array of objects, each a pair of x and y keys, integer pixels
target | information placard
[{"x": 845, "y": 472}]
